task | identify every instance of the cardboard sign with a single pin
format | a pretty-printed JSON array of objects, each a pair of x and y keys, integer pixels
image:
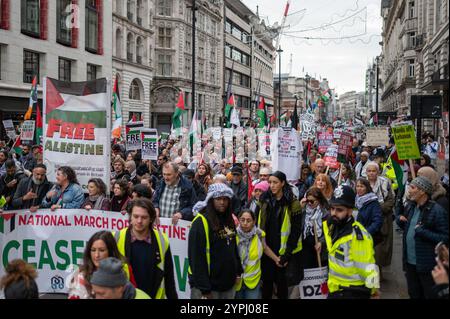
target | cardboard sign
[
  {"x": 377, "y": 136},
  {"x": 330, "y": 157},
  {"x": 344, "y": 147},
  {"x": 308, "y": 128},
  {"x": 325, "y": 139},
  {"x": 149, "y": 137},
  {"x": 405, "y": 142},
  {"x": 133, "y": 131},
  {"x": 310, "y": 286},
  {"x": 9, "y": 128},
  {"x": 27, "y": 131}
]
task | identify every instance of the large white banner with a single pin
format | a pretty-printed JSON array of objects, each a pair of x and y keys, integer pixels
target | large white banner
[
  {"x": 54, "y": 243},
  {"x": 77, "y": 128}
]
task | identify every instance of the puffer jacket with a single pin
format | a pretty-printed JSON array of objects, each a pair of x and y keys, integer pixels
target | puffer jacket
[{"x": 433, "y": 228}]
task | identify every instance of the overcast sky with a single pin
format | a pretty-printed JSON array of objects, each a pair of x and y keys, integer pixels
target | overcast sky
[{"x": 343, "y": 63}]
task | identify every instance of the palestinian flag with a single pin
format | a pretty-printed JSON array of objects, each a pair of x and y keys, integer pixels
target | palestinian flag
[
  {"x": 400, "y": 168},
  {"x": 7, "y": 221},
  {"x": 177, "y": 115},
  {"x": 38, "y": 127},
  {"x": 194, "y": 134},
  {"x": 16, "y": 147},
  {"x": 116, "y": 131},
  {"x": 33, "y": 99},
  {"x": 228, "y": 108},
  {"x": 261, "y": 113}
]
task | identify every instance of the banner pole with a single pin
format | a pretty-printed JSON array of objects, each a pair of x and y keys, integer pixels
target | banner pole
[
  {"x": 340, "y": 174},
  {"x": 316, "y": 240}
]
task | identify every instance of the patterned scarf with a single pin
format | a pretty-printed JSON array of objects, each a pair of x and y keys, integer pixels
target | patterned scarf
[
  {"x": 245, "y": 240},
  {"x": 313, "y": 216},
  {"x": 364, "y": 199}
]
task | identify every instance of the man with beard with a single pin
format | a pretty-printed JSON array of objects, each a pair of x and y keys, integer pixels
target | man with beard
[
  {"x": 32, "y": 190},
  {"x": 353, "y": 273},
  {"x": 27, "y": 160}
]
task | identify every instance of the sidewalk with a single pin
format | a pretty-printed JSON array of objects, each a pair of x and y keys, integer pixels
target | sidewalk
[{"x": 394, "y": 285}]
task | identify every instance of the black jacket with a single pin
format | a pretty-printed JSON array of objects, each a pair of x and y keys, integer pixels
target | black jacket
[
  {"x": 7, "y": 191},
  {"x": 188, "y": 198},
  {"x": 433, "y": 221},
  {"x": 241, "y": 192},
  {"x": 24, "y": 187},
  {"x": 225, "y": 262},
  {"x": 157, "y": 274}
]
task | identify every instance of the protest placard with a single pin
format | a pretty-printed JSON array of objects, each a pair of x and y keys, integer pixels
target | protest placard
[
  {"x": 377, "y": 136},
  {"x": 77, "y": 129},
  {"x": 149, "y": 149},
  {"x": 405, "y": 142},
  {"x": 9, "y": 128},
  {"x": 54, "y": 242},
  {"x": 27, "y": 131},
  {"x": 345, "y": 145},
  {"x": 330, "y": 156},
  {"x": 324, "y": 139},
  {"x": 133, "y": 135},
  {"x": 308, "y": 128},
  {"x": 310, "y": 286}
]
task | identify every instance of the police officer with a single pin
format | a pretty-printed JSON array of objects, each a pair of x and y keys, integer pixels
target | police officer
[{"x": 353, "y": 273}]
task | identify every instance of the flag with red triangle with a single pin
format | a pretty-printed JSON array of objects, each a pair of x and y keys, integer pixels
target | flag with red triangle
[
  {"x": 33, "y": 99},
  {"x": 178, "y": 114}
]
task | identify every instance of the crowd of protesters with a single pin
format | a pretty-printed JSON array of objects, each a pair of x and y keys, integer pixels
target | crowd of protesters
[{"x": 253, "y": 231}]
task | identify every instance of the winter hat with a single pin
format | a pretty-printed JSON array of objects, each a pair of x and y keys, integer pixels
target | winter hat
[
  {"x": 430, "y": 174},
  {"x": 236, "y": 170},
  {"x": 214, "y": 191},
  {"x": 109, "y": 274},
  {"x": 264, "y": 186},
  {"x": 343, "y": 195},
  {"x": 424, "y": 184}
]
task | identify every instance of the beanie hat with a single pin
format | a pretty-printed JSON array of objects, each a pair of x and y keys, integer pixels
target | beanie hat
[
  {"x": 264, "y": 186},
  {"x": 429, "y": 173},
  {"x": 424, "y": 184},
  {"x": 214, "y": 191},
  {"x": 236, "y": 170},
  {"x": 109, "y": 274}
]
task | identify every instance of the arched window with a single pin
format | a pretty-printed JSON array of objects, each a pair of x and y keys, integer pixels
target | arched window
[
  {"x": 135, "y": 90},
  {"x": 139, "y": 50},
  {"x": 119, "y": 39},
  {"x": 139, "y": 12},
  {"x": 130, "y": 47}
]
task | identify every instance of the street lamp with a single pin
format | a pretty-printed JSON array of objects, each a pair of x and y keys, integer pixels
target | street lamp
[{"x": 279, "y": 51}]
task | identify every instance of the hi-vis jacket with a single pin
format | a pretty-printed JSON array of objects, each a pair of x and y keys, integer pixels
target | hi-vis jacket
[
  {"x": 351, "y": 259},
  {"x": 163, "y": 246}
]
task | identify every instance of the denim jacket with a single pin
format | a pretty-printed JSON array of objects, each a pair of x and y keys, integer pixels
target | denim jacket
[{"x": 71, "y": 198}]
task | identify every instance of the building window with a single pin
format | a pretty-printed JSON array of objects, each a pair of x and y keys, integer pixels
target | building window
[
  {"x": 135, "y": 116},
  {"x": 212, "y": 73},
  {"x": 135, "y": 90},
  {"x": 91, "y": 72},
  {"x": 213, "y": 28},
  {"x": 130, "y": 46},
  {"x": 4, "y": 14},
  {"x": 165, "y": 37},
  {"x": 228, "y": 27},
  {"x": 201, "y": 21},
  {"x": 201, "y": 71},
  {"x": 139, "y": 12},
  {"x": 130, "y": 10},
  {"x": 139, "y": 50},
  {"x": 213, "y": 54},
  {"x": 63, "y": 31},
  {"x": 65, "y": 68},
  {"x": 30, "y": 17},
  {"x": 412, "y": 39},
  {"x": 201, "y": 50},
  {"x": 165, "y": 7},
  {"x": 188, "y": 67},
  {"x": 92, "y": 26},
  {"x": 30, "y": 66},
  {"x": 188, "y": 43},
  {"x": 119, "y": 43},
  {"x": 412, "y": 11},
  {"x": 411, "y": 68},
  {"x": 164, "y": 65},
  {"x": 228, "y": 51}
]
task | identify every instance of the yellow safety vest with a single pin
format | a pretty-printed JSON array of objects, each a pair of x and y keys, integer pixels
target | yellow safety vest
[
  {"x": 252, "y": 271},
  {"x": 206, "y": 228},
  {"x": 141, "y": 295},
  {"x": 285, "y": 232},
  {"x": 163, "y": 245},
  {"x": 389, "y": 172},
  {"x": 351, "y": 260}
]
